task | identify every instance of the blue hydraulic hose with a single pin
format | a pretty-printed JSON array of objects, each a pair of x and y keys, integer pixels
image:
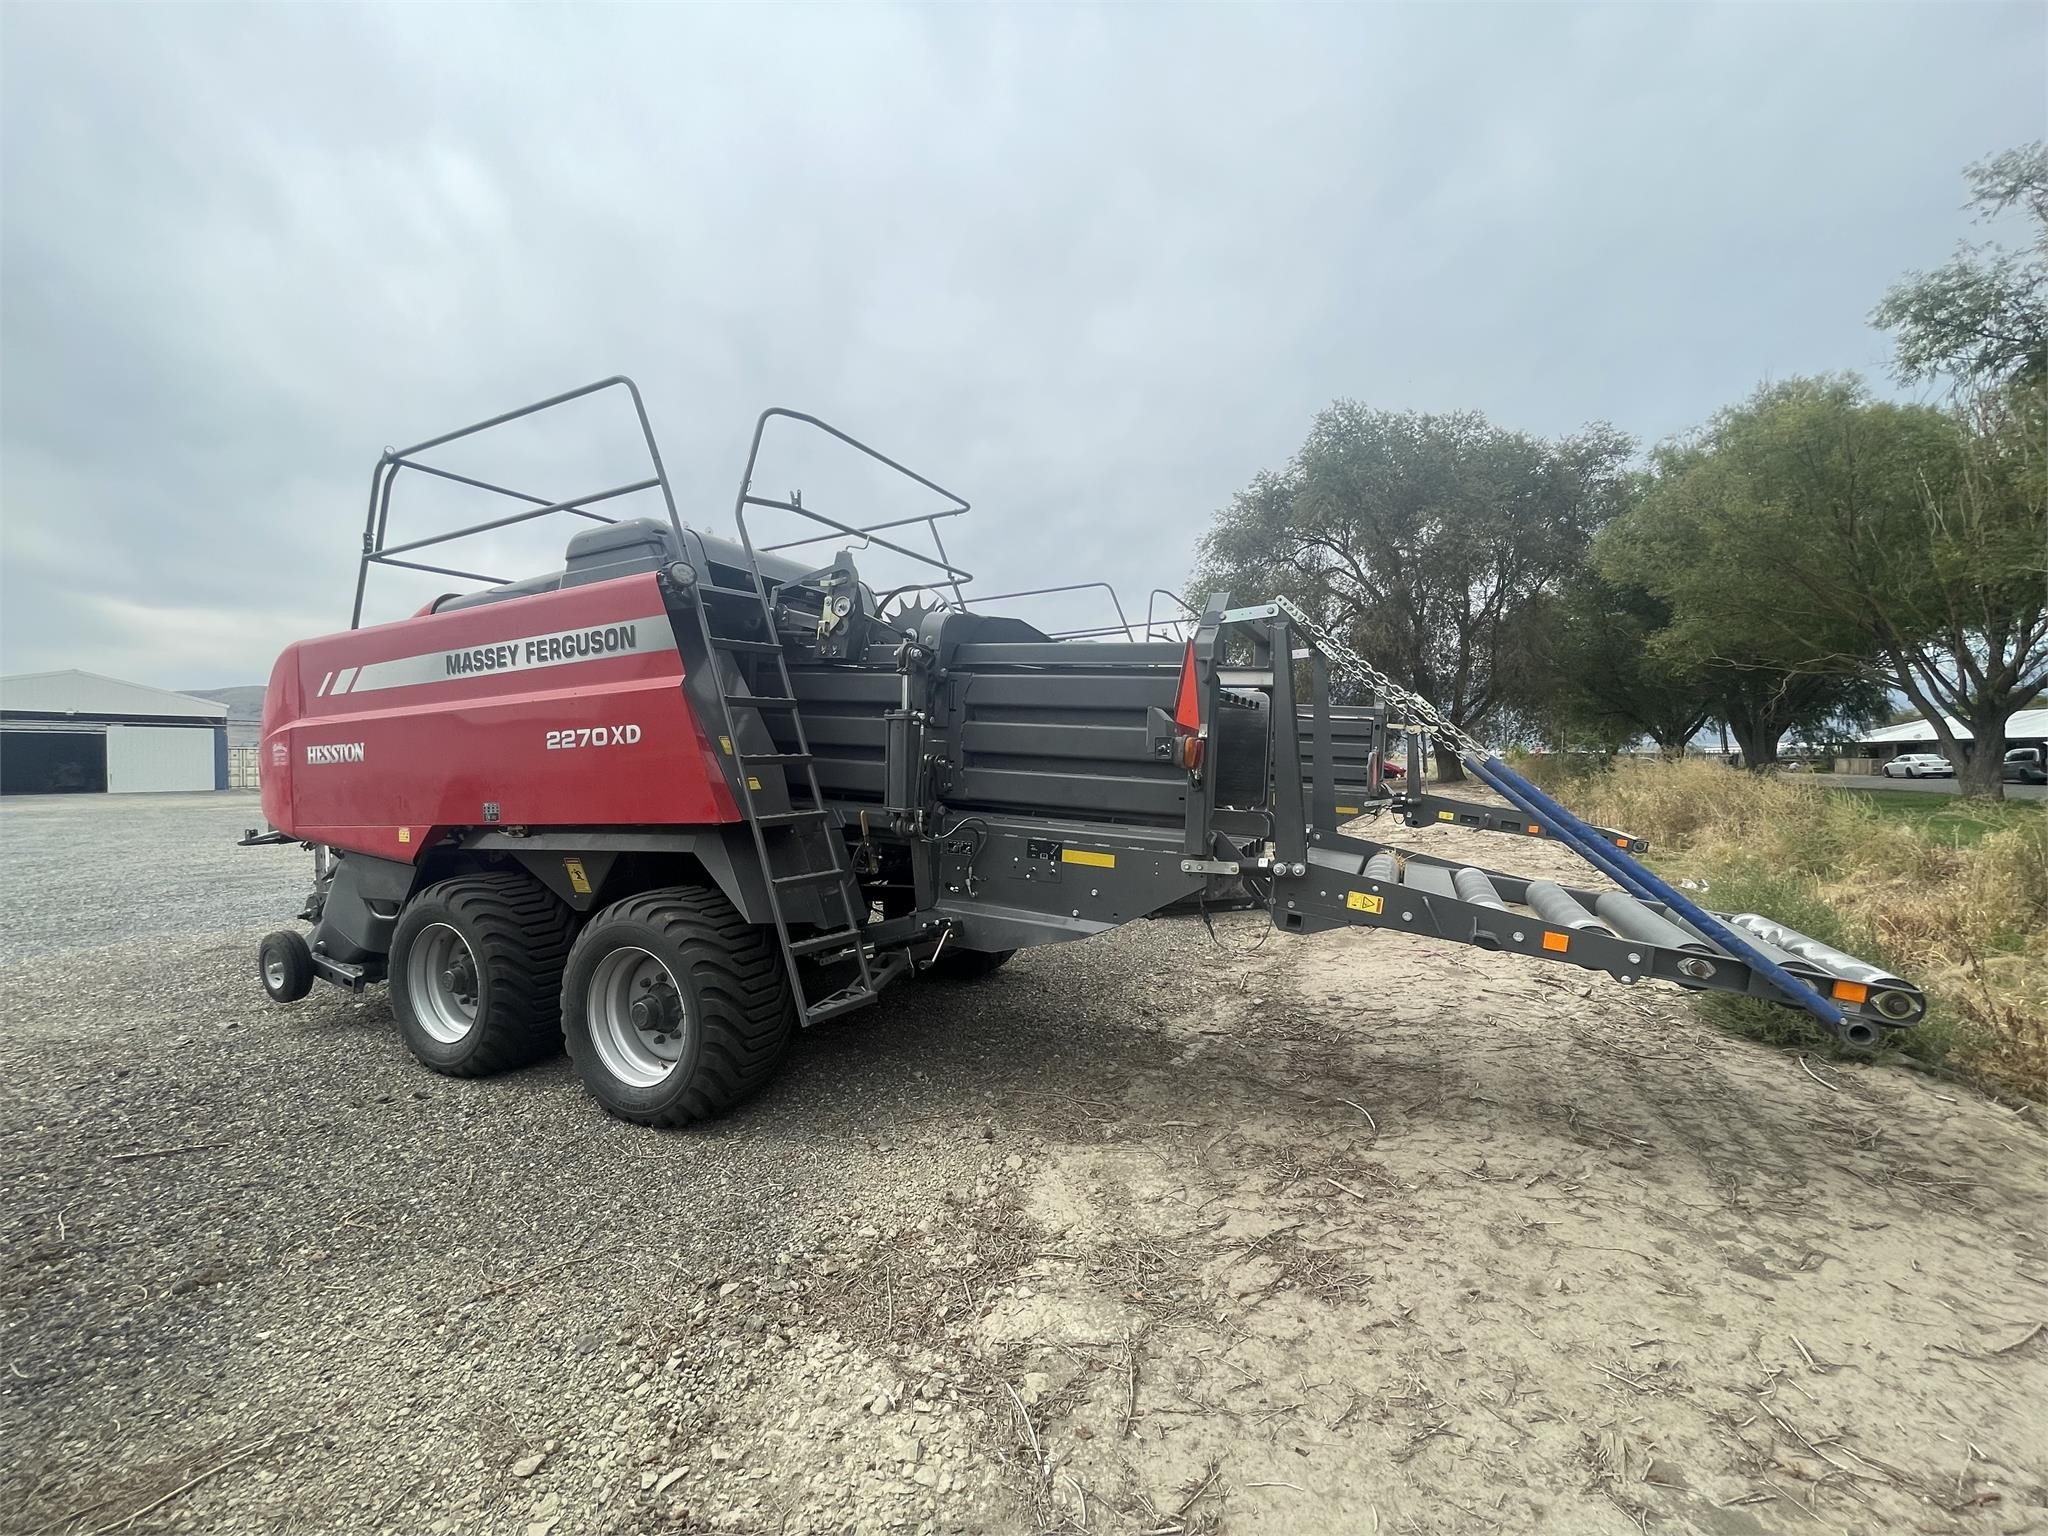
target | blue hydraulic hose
[
  {"x": 1572, "y": 832},
  {"x": 1627, "y": 873}
]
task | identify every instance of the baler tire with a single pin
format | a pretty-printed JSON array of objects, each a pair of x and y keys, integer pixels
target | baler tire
[
  {"x": 285, "y": 965},
  {"x": 735, "y": 1005},
  {"x": 967, "y": 964},
  {"x": 517, "y": 935}
]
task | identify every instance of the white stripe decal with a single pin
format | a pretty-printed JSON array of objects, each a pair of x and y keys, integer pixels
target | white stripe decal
[
  {"x": 322, "y": 691},
  {"x": 528, "y": 653},
  {"x": 344, "y": 678}
]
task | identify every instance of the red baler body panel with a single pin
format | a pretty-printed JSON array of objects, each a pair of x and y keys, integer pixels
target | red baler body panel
[{"x": 561, "y": 709}]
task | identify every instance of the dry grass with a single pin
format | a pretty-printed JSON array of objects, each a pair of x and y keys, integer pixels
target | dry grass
[{"x": 1967, "y": 920}]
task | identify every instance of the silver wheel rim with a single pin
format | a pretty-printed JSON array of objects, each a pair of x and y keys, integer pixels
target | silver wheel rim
[
  {"x": 639, "y": 1018},
  {"x": 273, "y": 975},
  {"x": 441, "y": 974}
]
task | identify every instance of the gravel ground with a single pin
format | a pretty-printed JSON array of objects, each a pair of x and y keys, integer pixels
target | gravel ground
[
  {"x": 87, "y": 870},
  {"x": 399, "y": 1284},
  {"x": 1163, "y": 1232}
]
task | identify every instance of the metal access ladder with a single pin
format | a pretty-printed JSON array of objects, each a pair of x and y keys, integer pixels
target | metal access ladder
[{"x": 801, "y": 847}]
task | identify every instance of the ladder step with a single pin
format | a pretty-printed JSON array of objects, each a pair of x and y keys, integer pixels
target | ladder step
[
  {"x": 754, "y": 759},
  {"x": 707, "y": 590},
  {"x": 747, "y": 647},
  {"x": 789, "y": 818},
  {"x": 838, "y": 1003},
  {"x": 809, "y": 877},
  {"x": 836, "y": 940},
  {"x": 759, "y": 701},
  {"x": 882, "y": 969}
]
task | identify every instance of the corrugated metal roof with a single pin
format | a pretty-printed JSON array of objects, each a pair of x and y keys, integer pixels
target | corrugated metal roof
[
  {"x": 73, "y": 692},
  {"x": 2027, "y": 725}
]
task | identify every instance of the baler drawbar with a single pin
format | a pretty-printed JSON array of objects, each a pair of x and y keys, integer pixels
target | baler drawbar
[{"x": 684, "y": 794}]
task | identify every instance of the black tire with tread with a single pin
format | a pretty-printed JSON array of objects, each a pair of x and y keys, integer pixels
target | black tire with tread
[
  {"x": 967, "y": 964},
  {"x": 289, "y": 949},
  {"x": 737, "y": 994},
  {"x": 519, "y": 932}
]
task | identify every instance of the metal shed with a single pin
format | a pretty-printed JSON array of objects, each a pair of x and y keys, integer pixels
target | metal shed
[{"x": 74, "y": 732}]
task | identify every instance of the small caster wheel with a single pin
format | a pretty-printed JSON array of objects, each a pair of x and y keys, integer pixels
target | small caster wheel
[{"x": 287, "y": 966}]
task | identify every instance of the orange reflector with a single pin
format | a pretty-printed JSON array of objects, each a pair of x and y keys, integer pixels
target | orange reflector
[
  {"x": 1621, "y": 842},
  {"x": 1557, "y": 942},
  {"x": 1187, "y": 703},
  {"x": 1534, "y": 830},
  {"x": 1191, "y": 751},
  {"x": 1850, "y": 991}
]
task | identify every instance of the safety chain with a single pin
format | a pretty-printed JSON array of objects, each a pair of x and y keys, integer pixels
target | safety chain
[{"x": 1362, "y": 671}]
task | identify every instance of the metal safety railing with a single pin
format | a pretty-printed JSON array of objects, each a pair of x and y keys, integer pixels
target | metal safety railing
[
  {"x": 1155, "y": 627},
  {"x": 1170, "y": 629},
  {"x": 1122, "y": 626},
  {"x": 377, "y": 523},
  {"x": 951, "y": 575}
]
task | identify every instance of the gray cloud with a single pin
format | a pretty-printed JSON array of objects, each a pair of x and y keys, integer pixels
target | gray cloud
[{"x": 1093, "y": 268}]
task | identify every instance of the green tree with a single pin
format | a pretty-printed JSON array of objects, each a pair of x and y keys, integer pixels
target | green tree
[
  {"x": 1982, "y": 318},
  {"x": 1609, "y": 681},
  {"x": 1429, "y": 541},
  {"x": 1762, "y": 704},
  {"x": 1813, "y": 531}
]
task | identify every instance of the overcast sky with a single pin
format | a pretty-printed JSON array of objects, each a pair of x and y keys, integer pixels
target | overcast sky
[{"x": 1092, "y": 268}]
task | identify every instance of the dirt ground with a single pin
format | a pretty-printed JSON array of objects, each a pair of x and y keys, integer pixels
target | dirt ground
[{"x": 1169, "y": 1232}]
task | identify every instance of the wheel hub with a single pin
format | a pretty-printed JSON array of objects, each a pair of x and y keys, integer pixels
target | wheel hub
[
  {"x": 657, "y": 1011},
  {"x": 460, "y": 980},
  {"x": 639, "y": 1018},
  {"x": 445, "y": 983}
]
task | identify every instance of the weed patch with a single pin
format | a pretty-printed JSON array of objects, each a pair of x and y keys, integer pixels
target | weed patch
[{"x": 1952, "y": 897}]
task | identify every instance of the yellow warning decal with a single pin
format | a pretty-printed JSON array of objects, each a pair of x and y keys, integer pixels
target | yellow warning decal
[
  {"x": 1347, "y": 810},
  {"x": 579, "y": 882},
  {"x": 725, "y": 745},
  {"x": 405, "y": 834},
  {"x": 1446, "y": 815},
  {"x": 752, "y": 782},
  {"x": 1359, "y": 901},
  {"x": 1088, "y": 856}
]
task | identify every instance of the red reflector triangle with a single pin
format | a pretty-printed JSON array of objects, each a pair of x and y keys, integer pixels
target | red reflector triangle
[{"x": 1187, "y": 704}]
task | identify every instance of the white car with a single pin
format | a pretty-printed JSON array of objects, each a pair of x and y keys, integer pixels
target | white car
[{"x": 1919, "y": 765}]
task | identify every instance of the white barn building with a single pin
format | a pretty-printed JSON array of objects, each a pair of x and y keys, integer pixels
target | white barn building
[{"x": 76, "y": 732}]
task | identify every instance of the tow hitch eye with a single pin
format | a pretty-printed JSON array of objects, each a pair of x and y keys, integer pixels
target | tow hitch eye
[{"x": 1896, "y": 1006}]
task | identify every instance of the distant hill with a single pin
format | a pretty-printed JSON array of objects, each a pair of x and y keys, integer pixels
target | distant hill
[{"x": 243, "y": 703}]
